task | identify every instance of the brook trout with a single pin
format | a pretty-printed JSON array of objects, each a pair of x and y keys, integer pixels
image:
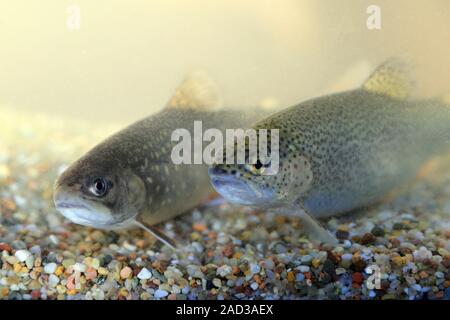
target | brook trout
[{"x": 130, "y": 177}]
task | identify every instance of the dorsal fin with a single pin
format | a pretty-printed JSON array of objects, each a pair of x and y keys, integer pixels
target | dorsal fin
[
  {"x": 392, "y": 79},
  {"x": 197, "y": 91}
]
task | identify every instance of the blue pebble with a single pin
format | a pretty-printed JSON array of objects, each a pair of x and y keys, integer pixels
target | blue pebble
[
  {"x": 299, "y": 277},
  {"x": 347, "y": 256},
  {"x": 185, "y": 290},
  {"x": 447, "y": 294},
  {"x": 254, "y": 268},
  {"x": 192, "y": 297},
  {"x": 345, "y": 280},
  {"x": 392, "y": 276},
  {"x": 239, "y": 282},
  {"x": 394, "y": 284}
]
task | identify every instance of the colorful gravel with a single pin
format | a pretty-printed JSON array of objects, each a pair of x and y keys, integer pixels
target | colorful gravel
[{"x": 228, "y": 253}]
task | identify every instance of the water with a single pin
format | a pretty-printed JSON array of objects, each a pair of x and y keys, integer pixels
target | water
[{"x": 73, "y": 75}]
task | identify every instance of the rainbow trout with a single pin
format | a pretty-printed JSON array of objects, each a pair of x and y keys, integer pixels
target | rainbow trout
[
  {"x": 342, "y": 151},
  {"x": 130, "y": 177}
]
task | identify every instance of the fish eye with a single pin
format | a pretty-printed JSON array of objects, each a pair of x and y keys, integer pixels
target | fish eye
[
  {"x": 258, "y": 165},
  {"x": 257, "y": 168},
  {"x": 99, "y": 187}
]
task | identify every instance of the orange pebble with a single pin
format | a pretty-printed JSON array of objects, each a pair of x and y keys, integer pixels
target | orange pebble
[
  {"x": 290, "y": 276},
  {"x": 235, "y": 270},
  {"x": 72, "y": 292},
  {"x": 257, "y": 278},
  {"x": 71, "y": 283},
  {"x": 90, "y": 273},
  {"x": 199, "y": 227}
]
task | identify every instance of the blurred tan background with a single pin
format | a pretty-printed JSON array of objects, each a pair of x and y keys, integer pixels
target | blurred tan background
[{"x": 127, "y": 57}]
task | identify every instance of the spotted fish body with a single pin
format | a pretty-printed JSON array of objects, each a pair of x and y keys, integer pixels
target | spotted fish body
[
  {"x": 343, "y": 151},
  {"x": 359, "y": 145}
]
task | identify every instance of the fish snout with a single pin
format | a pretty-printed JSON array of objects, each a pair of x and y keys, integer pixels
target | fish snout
[
  {"x": 63, "y": 198},
  {"x": 63, "y": 191},
  {"x": 73, "y": 206}
]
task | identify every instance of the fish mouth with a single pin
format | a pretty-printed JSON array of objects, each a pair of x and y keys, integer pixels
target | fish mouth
[
  {"x": 235, "y": 190},
  {"x": 68, "y": 205},
  {"x": 80, "y": 211}
]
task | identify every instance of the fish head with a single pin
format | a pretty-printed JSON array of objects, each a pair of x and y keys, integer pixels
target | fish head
[
  {"x": 99, "y": 193},
  {"x": 278, "y": 180}
]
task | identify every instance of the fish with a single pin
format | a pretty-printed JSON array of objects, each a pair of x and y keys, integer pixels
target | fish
[
  {"x": 130, "y": 179},
  {"x": 342, "y": 151}
]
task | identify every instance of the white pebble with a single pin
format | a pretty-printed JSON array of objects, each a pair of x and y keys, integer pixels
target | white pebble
[
  {"x": 254, "y": 286},
  {"x": 95, "y": 263},
  {"x": 176, "y": 289},
  {"x": 98, "y": 294},
  {"x": 422, "y": 254},
  {"x": 53, "y": 280},
  {"x": 416, "y": 234},
  {"x": 144, "y": 274},
  {"x": 217, "y": 282},
  {"x": 129, "y": 246},
  {"x": 80, "y": 267},
  {"x": 303, "y": 268},
  {"x": 22, "y": 255},
  {"x": 340, "y": 271},
  {"x": 29, "y": 262},
  {"x": 50, "y": 267},
  {"x": 224, "y": 270},
  {"x": 11, "y": 259},
  {"x": 160, "y": 294},
  {"x": 53, "y": 239}
]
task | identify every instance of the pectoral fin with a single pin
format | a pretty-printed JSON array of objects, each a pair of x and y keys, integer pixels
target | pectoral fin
[
  {"x": 311, "y": 226},
  {"x": 316, "y": 230},
  {"x": 157, "y": 234}
]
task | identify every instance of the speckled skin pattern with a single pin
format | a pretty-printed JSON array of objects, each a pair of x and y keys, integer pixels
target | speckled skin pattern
[
  {"x": 137, "y": 161},
  {"x": 355, "y": 147}
]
